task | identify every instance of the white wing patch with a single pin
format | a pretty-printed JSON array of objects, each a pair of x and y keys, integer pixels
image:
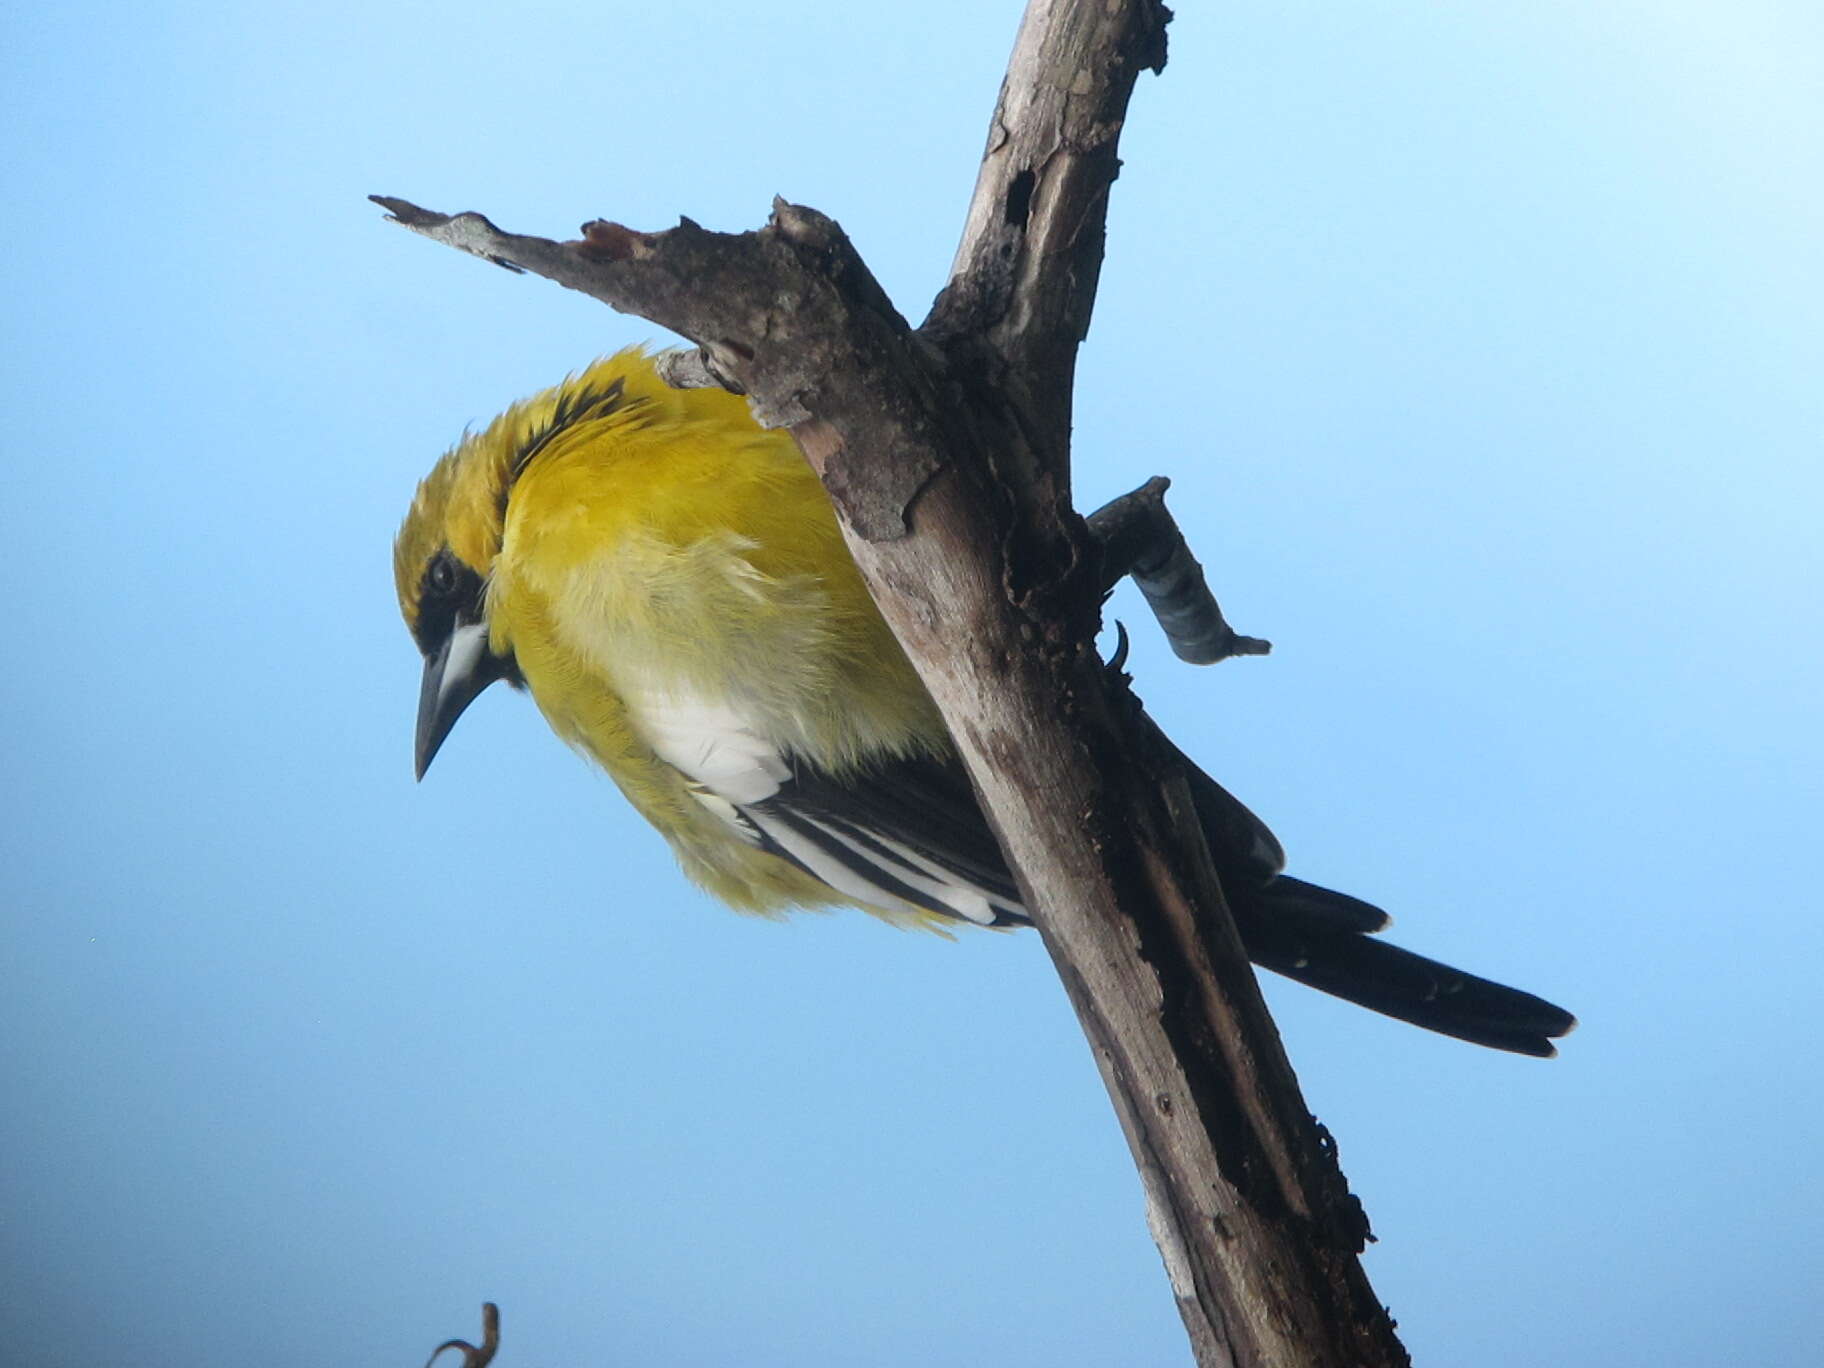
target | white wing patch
[
  {"x": 711, "y": 742},
  {"x": 745, "y": 780}
]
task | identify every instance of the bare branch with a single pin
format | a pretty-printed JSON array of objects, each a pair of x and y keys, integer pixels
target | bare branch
[
  {"x": 473, "y": 1355},
  {"x": 946, "y": 454},
  {"x": 1025, "y": 272},
  {"x": 788, "y": 315}
]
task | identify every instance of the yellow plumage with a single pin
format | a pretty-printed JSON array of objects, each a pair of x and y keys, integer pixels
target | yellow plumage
[
  {"x": 669, "y": 582},
  {"x": 657, "y": 542}
]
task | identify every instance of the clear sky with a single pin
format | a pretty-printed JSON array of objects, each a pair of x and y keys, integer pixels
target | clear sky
[{"x": 1484, "y": 346}]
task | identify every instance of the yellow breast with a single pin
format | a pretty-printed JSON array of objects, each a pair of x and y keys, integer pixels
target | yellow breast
[{"x": 669, "y": 563}]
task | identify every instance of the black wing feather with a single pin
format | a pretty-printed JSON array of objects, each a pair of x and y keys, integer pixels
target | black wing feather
[{"x": 1308, "y": 933}]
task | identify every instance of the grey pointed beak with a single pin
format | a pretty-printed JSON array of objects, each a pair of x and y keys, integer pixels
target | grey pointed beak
[{"x": 454, "y": 677}]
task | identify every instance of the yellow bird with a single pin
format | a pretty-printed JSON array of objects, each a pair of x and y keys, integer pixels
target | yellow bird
[{"x": 668, "y": 581}]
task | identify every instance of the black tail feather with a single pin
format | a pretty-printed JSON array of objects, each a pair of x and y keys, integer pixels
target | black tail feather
[
  {"x": 1313, "y": 910},
  {"x": 1304, "y": 932},
  {"x": 1321, "y": 938}
]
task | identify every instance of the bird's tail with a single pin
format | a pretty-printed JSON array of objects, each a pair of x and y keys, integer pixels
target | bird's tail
[
  {"x": 1320, "y": 938},
  {"x": 1324, "y": 939}
]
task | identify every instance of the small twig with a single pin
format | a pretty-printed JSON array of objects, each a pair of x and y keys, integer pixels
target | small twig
[
  {"x": 474, "y": 1356},
  {"x": 780, "y": 314},
  {"x": 1140, "y": 538}
]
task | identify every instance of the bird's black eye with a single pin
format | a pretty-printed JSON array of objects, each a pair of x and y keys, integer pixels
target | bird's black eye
[
  {"x": 440, "y": 576},
  {"x": 448, "y": 592}
]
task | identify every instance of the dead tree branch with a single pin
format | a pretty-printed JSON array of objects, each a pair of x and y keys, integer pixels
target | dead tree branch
[
  {"x": 475, "y": 1355},
  {"x": 946, "y": 452}
]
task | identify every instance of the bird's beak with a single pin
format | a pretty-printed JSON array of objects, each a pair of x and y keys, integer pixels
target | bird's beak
[{"x": 454, "y": 677}]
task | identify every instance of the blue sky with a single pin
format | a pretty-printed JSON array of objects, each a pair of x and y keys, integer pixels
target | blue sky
[{"x": 1483, "y": 346}]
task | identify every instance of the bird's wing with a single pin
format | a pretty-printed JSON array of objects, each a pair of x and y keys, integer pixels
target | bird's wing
[
  {"x": 909, "y": 824},
  {"x": 904, "y": 836}
]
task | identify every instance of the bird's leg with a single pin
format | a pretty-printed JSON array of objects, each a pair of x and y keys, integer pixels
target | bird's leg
[
  {"x": 694, "y": 368},
  {"x": 1139, "y": 537},
  {"x": 1137, "y": 534}
]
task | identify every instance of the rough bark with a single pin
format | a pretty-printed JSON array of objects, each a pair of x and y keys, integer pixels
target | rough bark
[{"x": 946, "y": 452}]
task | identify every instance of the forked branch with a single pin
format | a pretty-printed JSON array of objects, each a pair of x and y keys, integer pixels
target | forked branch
[{"x": 946, "y": 452}]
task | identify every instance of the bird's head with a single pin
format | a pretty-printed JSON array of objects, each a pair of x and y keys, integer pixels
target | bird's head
[{"x": 442, "y": 559}]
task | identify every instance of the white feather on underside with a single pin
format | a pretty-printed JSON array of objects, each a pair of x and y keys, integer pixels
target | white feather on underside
[
  {"x": 710, "y": 741},
  {"x": 734, "y": 770}
]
